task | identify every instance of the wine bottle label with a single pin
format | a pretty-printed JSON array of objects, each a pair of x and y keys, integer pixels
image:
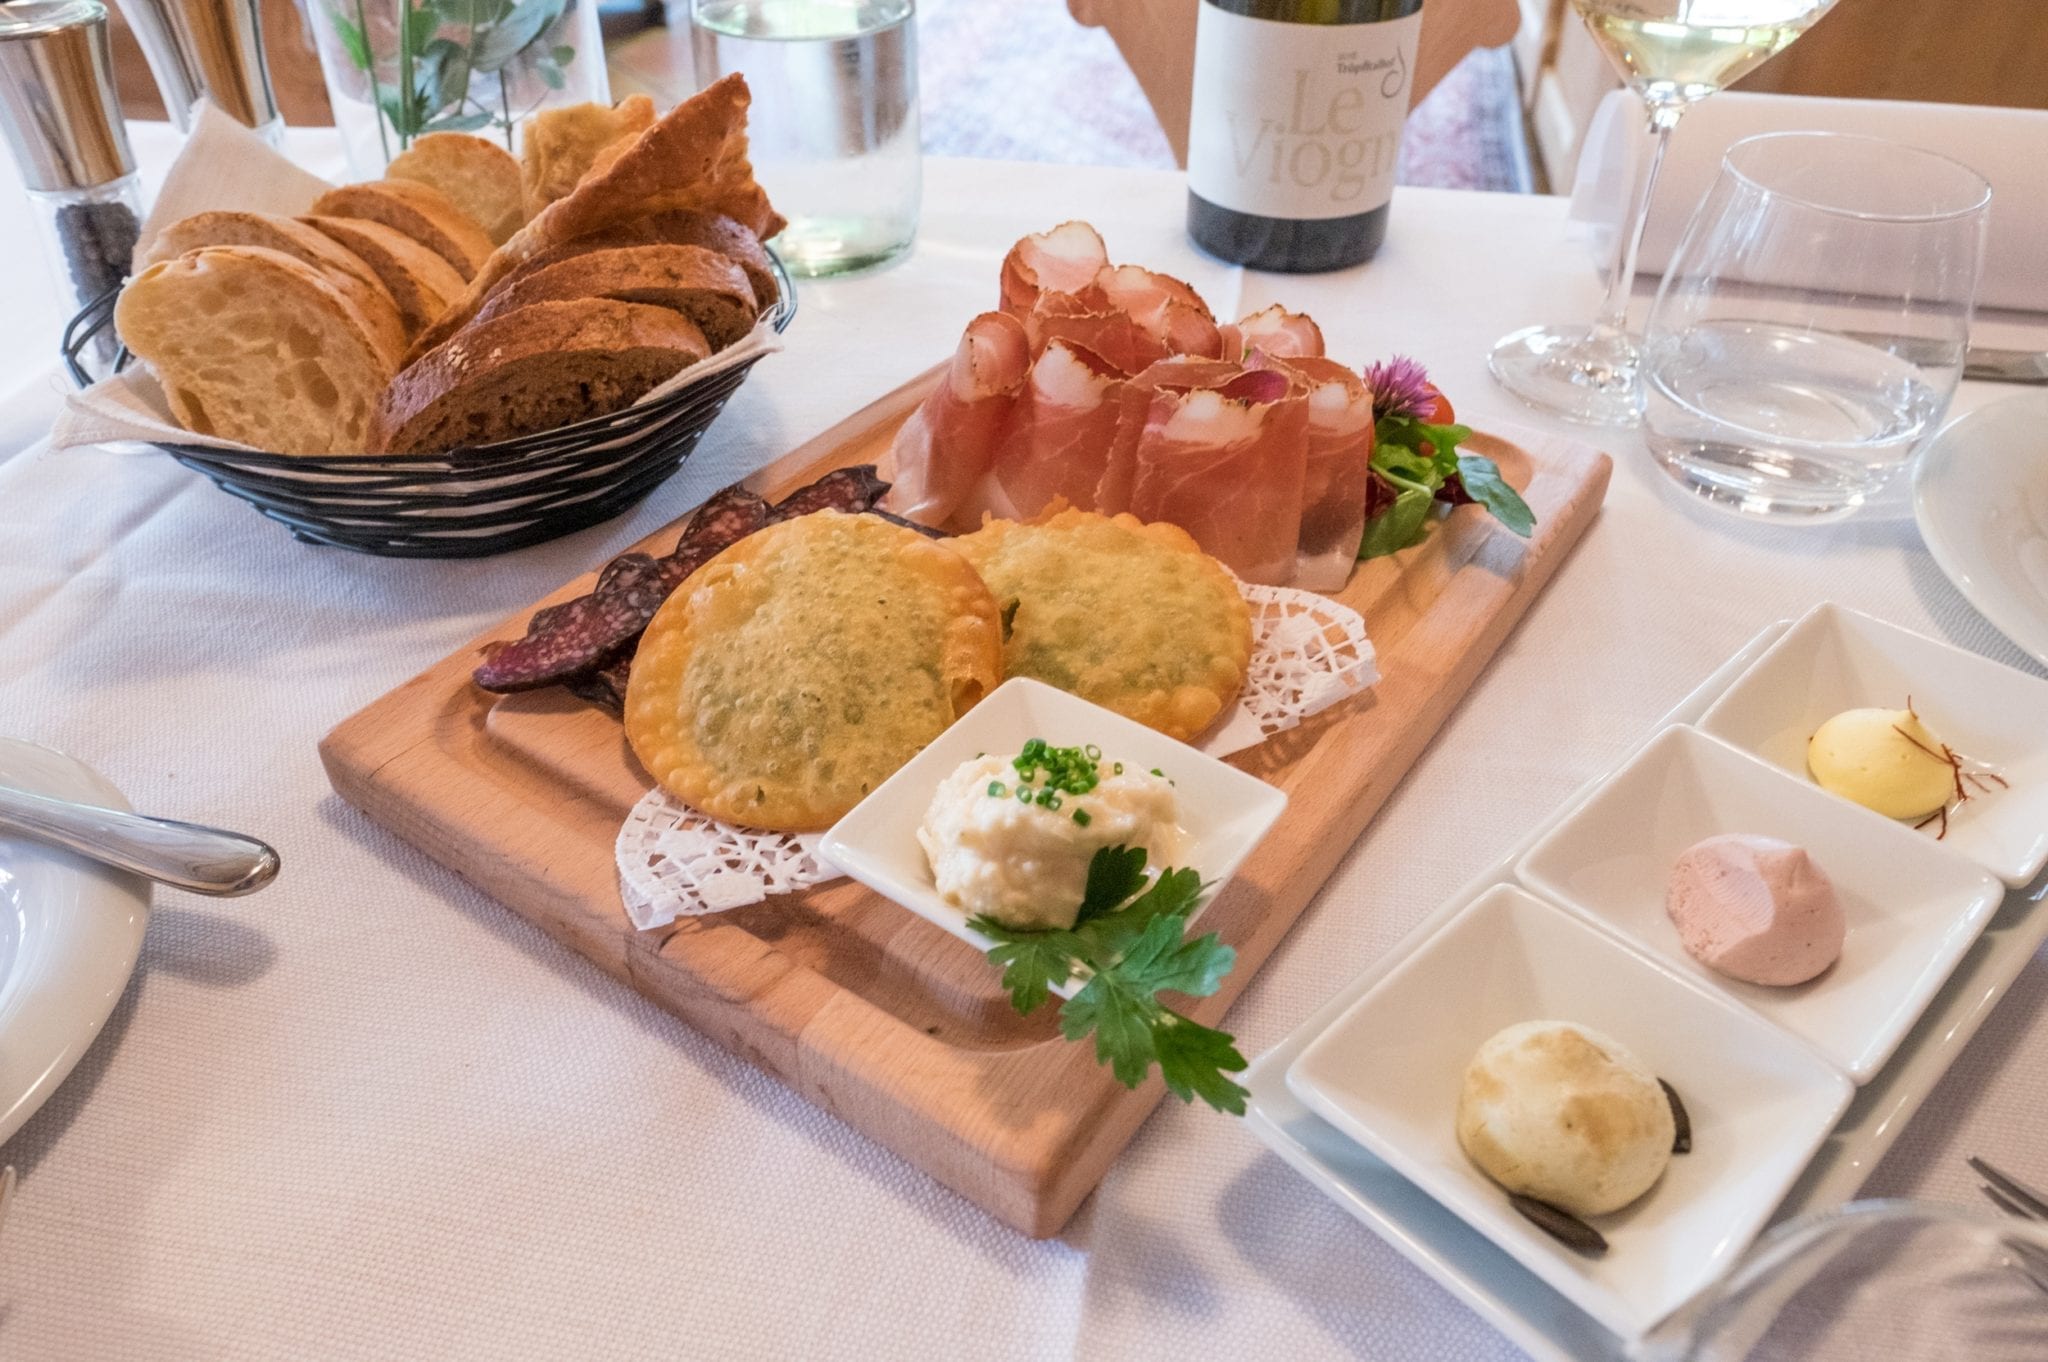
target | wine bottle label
[{"x": 1298, "y": 121}]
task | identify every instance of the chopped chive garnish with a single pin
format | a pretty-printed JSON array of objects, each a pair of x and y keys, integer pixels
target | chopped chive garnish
[
  {"x": 996, "y": 789},
  {"x": 1081, "y": 817},
  {"x": 1157, "y": 772}
]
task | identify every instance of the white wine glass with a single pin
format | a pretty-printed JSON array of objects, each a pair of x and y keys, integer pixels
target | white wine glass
[{"x": 1673, "y": 53}]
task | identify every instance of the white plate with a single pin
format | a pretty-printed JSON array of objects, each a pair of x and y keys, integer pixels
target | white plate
[
  {"x": 1912, "y": 908},
  {"x": 1224, "y": 811},
  {"x": 1980, "y": 493},
  {"x": 70, "y": 933},
  {"x": 1835, "y": 658},
  {"x": 1478, "y": 1272},
  {"x": 1389, "y": 1072}
]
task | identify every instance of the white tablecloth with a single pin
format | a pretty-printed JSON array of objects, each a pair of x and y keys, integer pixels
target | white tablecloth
[{"x": 371, "y": 1113}]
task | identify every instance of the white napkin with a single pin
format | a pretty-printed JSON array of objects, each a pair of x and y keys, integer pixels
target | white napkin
[
  {"x": 224, "y": 165},
  {"x": 2009, "y": 147}
]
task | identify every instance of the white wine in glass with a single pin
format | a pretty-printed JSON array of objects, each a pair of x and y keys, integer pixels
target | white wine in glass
[{"x": 1672, "y": 53}]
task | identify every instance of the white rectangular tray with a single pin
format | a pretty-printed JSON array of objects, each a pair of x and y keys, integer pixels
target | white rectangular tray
[{"x": 1483, "y": 1276}]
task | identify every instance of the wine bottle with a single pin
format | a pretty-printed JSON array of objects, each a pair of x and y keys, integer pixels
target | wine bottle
[{"x": 1294, "y": 128}]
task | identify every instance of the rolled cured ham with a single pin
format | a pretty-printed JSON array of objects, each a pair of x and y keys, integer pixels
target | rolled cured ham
[
  {"x": 1179, "y": 373},
  {"x": 943, "y": 451},
  {"x": 1337, "y": 458},
  {"x": 1166, "y": 311},
  {"x": 1057, "y": 439},
  {"x": 1088, "y": 322},
  {"x": 1275, "y": 330},
  {"x": 1065, "y": 259},
  {"x": 1227, "y": 465}
]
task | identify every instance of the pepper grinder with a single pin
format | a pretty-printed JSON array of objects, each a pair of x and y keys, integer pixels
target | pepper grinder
[
  {"x": 209, "y": 48},
  {"x": 63, "y": 124}
]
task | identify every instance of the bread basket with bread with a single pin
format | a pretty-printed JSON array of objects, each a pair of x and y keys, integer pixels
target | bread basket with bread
[{"x": 477, "y": 353}]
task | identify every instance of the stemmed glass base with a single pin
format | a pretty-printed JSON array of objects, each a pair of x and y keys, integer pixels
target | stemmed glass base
[{"x": 1591, "y": 376}]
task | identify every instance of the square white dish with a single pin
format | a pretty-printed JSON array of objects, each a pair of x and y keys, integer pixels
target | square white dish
[
  {"x": 1835, "y": 658},
  {"x": 1388, "y": 1073},
  {"x": 1223, "y": 811},
  {"x": 1912, "y": 908}
]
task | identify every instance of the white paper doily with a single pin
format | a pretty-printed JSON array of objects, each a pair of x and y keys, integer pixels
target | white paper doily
[{"x": 1308, "y": 652}]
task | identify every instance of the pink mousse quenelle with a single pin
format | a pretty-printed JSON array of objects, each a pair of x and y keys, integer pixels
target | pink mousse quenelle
[{"x": 1755, "y": 909}]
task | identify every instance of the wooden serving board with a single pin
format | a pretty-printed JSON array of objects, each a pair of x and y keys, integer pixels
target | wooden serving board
[{"x": 864, "y": 1008}]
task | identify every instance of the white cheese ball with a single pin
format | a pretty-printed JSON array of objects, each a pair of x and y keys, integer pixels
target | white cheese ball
[
  {"x": 1566, "y": 1115},
  {"x": 1026, "y": 866}
]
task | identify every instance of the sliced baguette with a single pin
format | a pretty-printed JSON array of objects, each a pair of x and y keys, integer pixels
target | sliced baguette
[
  {"x": 481, "y": 178},
  {"x": 559, "y": 146},
  {"x": 693, "y": 158},
  {"x": 702, "y": 285},
  {"x": 420, "y": 282},
  {"x": 544, "y": 366},
  {"x": 379, "y": 309},
  {"x": 257, "y": 346},
  {"x": 421, "y": 213}
]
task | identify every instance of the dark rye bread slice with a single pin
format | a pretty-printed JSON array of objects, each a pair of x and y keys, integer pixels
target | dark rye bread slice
[
  {"x": 704, "y": 286},
  {"x": 547, "y": 365},
  {"x": 681, "y": 227}
]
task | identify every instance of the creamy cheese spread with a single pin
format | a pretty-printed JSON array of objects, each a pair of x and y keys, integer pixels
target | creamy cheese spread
[{"x": 1011, "y": 846}]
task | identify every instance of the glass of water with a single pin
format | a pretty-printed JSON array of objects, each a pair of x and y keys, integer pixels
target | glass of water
[
  {"x": 1810, "y": 330},
  {"x": 833, "y": 128},
  {"x": 1904, "y": 1281}
]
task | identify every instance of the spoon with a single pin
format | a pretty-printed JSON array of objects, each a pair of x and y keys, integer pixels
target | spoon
[{"x": 183, "y": 855}]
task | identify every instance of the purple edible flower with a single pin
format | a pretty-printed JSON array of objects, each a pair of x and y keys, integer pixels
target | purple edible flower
[{"x": 1400, "y": 387}]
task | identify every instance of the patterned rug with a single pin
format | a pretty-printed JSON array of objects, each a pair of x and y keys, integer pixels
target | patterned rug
[{"x": 1020, "y": 80}]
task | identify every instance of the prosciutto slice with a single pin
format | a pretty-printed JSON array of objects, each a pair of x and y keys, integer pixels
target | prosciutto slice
[
  {"x": 1059, "y": 437},
  {"x": 1227, "y": 465},
  {"x": 1166, "y": 311},
  {"x": 1066, "y": 259},
  {"x": 1178, "y": 373},
  {"x": 1337, "y": 448},
  {"x": 1085, "y": 320},
  {"x": 948, "y": 444},
  {"x": 1275, "y": 330}
]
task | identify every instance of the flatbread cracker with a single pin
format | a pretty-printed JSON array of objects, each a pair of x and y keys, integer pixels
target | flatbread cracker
[
  {"x": 1134, "y": 617},
  {"x": 798, "y": 669}
]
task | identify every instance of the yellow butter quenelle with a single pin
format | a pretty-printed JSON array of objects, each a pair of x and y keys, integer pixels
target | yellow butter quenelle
[
  {"x": 798, "y": 669},
  {"x": 1884, "y": 759}
]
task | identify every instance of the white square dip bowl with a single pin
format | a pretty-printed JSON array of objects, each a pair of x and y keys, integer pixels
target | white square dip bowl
[
  {"x": 1388, "y": 1073},
  {"x": 1223, "y": 811},
  {"x": 1912, "y": 908},
  {"x": 1835, "y": 658}
]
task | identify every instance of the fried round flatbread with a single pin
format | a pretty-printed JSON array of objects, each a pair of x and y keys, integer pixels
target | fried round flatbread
[
  {"x": 1132, "y": 616},
  {"x": 798, "y": 669}
]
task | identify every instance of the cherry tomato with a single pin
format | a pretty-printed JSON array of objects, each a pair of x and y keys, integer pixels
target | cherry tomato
[{"x": 1439, "y": 413}]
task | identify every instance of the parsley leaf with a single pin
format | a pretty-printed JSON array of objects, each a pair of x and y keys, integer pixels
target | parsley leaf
[
  {"x": 1122, "y": 1020},
  {"x": 1193, "y": 1059},
  {"x": 1034, "y": 963},
  {"x": 1129, "y": 939},
  {"x": 1114, "y": 875}
]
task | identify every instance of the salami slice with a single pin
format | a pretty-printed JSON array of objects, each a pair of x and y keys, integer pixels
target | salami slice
[
  {"x": 851, "y": 490},
  {"x": 605, "y": 687},
  {"x": 587, "y": 643}
]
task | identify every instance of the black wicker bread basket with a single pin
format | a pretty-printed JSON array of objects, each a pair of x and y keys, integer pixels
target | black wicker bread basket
[{"x": 466, "y": 503}]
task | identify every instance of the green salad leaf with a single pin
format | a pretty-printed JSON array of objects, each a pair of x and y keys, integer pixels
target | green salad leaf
[
  {"x": 1421, "y": 462},
  {"x": 1130, "y": 940},
  {"x": 1484, "y": 484}
]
